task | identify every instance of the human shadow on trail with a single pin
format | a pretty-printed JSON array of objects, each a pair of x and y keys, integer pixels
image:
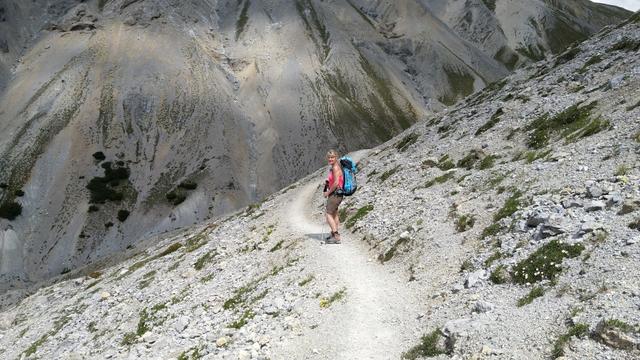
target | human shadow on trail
[{"x": 317, "y": 236}]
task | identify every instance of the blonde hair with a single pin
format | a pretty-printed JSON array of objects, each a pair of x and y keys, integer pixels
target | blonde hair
[{"x": 333, "y": 152}]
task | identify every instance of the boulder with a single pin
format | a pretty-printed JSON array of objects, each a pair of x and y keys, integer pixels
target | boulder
[
  {"x": 475, "y": 278},
  {"x": 595, "y": 206}
]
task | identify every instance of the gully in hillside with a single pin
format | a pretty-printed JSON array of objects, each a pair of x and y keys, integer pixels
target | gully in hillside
[{"x": 334, "y": 182}]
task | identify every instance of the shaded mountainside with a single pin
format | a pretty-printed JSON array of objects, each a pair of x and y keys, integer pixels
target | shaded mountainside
[
  {"x": 514, "y": 219},
  {"x": 122, "y": 119}
]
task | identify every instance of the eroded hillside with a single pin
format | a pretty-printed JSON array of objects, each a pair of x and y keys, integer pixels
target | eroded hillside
[{"x": 504, "y": 227}]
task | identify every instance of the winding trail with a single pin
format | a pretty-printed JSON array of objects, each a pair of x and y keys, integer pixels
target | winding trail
[{"x": 377, "y": 318}]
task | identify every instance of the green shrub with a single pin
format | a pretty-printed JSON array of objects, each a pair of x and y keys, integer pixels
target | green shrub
[
  {"x": 123, "y": 215},
  {"x": 468, "y": 161},
  {"x": 491, "y": 259},
  {"x": 99, "y": 155},
  {"x": 622, "y": 170},
  {"x": 536, "y": 292},
  {"x": 428, "y": 347},
  {"x": 545, "y": 263},
  {"x": 10, "y": 210}
]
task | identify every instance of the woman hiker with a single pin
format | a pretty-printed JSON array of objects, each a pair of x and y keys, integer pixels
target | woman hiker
[{"x": 334, "y": 183}]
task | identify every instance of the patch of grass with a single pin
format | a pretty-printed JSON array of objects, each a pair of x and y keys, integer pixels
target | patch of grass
[
  {"x": 469, "y": 160},
  {"x": 129, "y": 339},
  {"x": 567, "y": 56},
  {"x": 465, "y": 222},
  {"x": 342, "y": 214},
  {"x": 499, "y": 275},
  {"x": 277, "y": 246},
  {"x": 170, "y": 249},
  {"x": 626, "y": 44},
  {"x": 495, "y": 118},
  {"x": 440, "y": 179},
  {"x": 445, "y": 163},
  {"x": 545, "y": 263},
  {"x": 633, "y": 107},
  {"x": 619, "y": 324},
  {"x": 387, "y": 174},
  {"x": 195, "y": 242},
  {"x": 337, "y": 296},
  {"x": 406, "y": 142},
  {"x": 243, "y": 320},
  {"x": 58, "y": 324},
  {"x": 10, "y": 210},
  {"x": 306, "y": 280},
  {"x": 622, "y": 170},
  {"x": 490, "y": 260},
  {"x": 536, "y": 292},
  {"x": 592, "y": 60},
  {"x": 490, "y": 230},
  {"x": 242, "y": 19},
  {"x": 572, "y": 123},
  {"x": 466, "y": 265},
  {"x": 577, "y": 330},
  {"x": 510, "y": 206},
  {"x": 487, "y": 162},
  {"x": 428, "y": 347},
  {"x": 361, "y": 213},
  {"x": 204, "y": 260}
]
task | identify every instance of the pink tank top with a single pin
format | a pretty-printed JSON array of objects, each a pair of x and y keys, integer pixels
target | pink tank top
[{"x": 340, "y": 181}]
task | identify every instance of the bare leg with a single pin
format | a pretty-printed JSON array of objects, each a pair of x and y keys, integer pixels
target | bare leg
[
  {"x": 336, "y": 220},
  {"x": 331, "y": 221}
]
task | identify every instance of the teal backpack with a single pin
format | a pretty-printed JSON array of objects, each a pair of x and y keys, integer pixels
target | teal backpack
[{"x": 349, "y": 171}]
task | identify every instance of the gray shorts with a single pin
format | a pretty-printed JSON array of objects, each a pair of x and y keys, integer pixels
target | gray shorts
[{"x": 333, "y": 201}]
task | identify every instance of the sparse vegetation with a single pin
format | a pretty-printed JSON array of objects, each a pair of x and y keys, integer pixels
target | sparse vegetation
[
  {"x": 495, "y": 118},
  {"x": 499, "y": 275},
  {"x": 536, "y": 292},
  {"x": 622, "y": 170},
  {"x": 490, "y": 260},
  {"x": 337, "y": 296},
  {"x": 387, "y": 174},
  {"x": 440, "y": 179},
  {"x": 465, "y": 222},
  {"x": 406, "y": 142},
  {"x": 242, "y": 321},
  {"x": 204, "y": 260},
  {"x": 361, "y": 213},
  {"x": 572, "y": 123},
  {"x": 491, "y": 230},
  {"x": 99, "y": 155},
  {"x": 577, "y": 330},
  {"x": 429, "y": 346},
  {"x": 242, "y": 19},
  {"x": 487, "y": 162},
  {"x": 592, "y": 60},
  {"x": 306, "y": 280},
  {"x": 445, "y": 163},
  {"x": 510, "y": 206},
  {"x": 626, "y": 44},
  {"x": 545, "y": 263}
]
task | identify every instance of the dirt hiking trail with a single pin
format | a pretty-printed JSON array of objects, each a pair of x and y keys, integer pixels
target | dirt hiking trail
[{"x": 377, "y": 319}]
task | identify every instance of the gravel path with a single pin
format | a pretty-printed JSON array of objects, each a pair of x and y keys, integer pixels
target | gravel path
[{"x": 376, "y": 319}]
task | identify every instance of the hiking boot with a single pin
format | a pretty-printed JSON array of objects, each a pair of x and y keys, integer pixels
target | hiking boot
[{"x": 332, "y": 240}]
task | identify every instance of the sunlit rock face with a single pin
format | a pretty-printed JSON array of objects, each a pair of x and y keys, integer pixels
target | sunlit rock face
[{"x": 121, "y": 119}]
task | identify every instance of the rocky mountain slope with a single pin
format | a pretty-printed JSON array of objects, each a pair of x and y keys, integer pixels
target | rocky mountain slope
[
  {"x": 123, "y": 119},
  {"x": 506, "y": 227}
]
